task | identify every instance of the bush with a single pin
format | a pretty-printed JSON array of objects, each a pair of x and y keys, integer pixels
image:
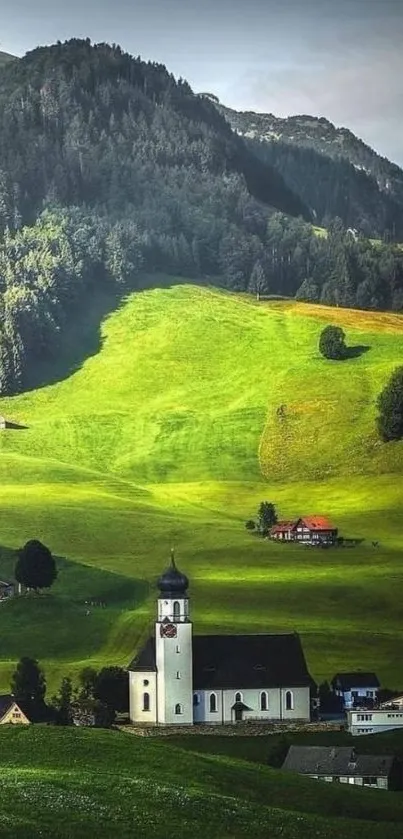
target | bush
[
  {"x": 332, "y": 343},
  {"x": 250, "y": 524}
]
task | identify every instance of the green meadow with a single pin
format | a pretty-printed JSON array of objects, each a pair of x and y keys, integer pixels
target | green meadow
[
  {"x": 191, "y": 407},
  {"x": 67, "y": 783}
]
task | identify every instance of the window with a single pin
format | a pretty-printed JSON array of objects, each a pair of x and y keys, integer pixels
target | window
[
  {"x": 196, "y": 699},
  {"x": 177, "y": 609},
  {"x": 238, "y": 697},
  {"x": 178, "y": 675},
  {"x": 178, "y": 648},
  {"x": 289, "y": 701},
  {"x": 146, "y": 701},
  {"x": 370, "y": 782},
  {"x": 145, "y": 682},
  {"x": 178, "y": 708},
  {"x": 264, "y": 701},
  {"x": 364, "y": 717},
  {"x": 213, "y": 703}
]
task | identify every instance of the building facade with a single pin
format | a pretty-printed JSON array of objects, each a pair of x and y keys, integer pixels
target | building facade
[
  {"x": 179, "y": 678},
  {"x": 355, "y": 689},
  {"x": 310, "y": 530},
  {"x": 374, "y": 720},
  {"x": 341, "y": 764}
]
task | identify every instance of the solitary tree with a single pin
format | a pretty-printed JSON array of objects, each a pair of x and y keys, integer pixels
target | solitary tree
[
  {"x": 332, "y": 342},
  {"x": 390, "y": 404},
  {"x": 28, "y": 683},
  {"x": 62, "y": 702},
  {"x": 112, "y": 688},
  {"x": 35, "y": 567},
  {"x": 267, "y": 516}
]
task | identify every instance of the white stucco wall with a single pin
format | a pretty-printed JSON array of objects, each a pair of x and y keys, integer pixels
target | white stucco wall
[
  {"x": 276, "y": 708},
  {"x": 137, "y": 689},
  {"x": 364, "y": 721}
]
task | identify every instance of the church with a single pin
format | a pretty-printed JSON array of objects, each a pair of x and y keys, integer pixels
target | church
[{"x": 180, "y": 679}]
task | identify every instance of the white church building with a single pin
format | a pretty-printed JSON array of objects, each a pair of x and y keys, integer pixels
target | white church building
[{"x": 181, "y": 678}]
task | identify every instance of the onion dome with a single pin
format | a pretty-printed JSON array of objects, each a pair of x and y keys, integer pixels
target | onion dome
[{"x": 172, "y": 583}]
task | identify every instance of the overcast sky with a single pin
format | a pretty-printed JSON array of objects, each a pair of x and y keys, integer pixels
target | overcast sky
[{"x": 342, "y": 59}]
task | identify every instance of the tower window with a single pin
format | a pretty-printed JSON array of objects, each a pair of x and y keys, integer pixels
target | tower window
[
  {"x": 177, "y": 609},
  {"x": 178, "y": 675},
  {"x": 178, "y": 648},
  {"x": 196, "y": 699},
  {"x": 146, "y": 701},
  {"x": 264, "y": 704},
  {"x": 178, "y": 708},
  {"x": 213, "y": 703},
  {"x": 238, "y": 696},
  {"x": 146, "y": 682},
  {"x": 289, "y": 701}
]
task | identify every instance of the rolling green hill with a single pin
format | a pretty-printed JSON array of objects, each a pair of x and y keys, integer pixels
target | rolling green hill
[
  {"x": 80, "y": 783},
  {"x": 171, "y": 433}
]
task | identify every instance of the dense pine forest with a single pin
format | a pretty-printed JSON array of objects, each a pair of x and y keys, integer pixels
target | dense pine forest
[{"x": 110, "y": 167}]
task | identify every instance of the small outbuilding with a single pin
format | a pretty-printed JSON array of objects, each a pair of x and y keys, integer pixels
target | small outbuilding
[
  {"x": 342, "y": 765},
  {"x": 6, "y": 590},
  {"x": 11, "y": 712},
  {"x": 356, "y": 689}
]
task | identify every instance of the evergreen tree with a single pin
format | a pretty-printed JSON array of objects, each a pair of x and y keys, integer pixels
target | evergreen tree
[
  {"x": 267, "y": 517},
  {"x": 28, "y": 683},
  {"x": 332, "y": 343}
]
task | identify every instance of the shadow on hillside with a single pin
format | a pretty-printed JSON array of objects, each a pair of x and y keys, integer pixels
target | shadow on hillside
[
  {"x": 355, "y": 352},
  {"x": 81, "y": 338}
]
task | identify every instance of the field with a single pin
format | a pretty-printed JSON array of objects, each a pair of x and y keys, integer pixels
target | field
[
  {"x": 78, "y": 783},
  {"x": 190, "y": 407}
]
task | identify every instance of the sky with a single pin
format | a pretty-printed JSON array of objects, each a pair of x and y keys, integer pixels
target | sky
[{"x": 341, "y": 59}]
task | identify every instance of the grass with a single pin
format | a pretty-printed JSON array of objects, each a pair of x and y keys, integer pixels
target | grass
[
  {"x": 169, "y": 433},
  {"x": 81, "y": 783}
]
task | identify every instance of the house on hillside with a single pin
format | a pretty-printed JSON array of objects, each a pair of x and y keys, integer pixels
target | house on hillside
[
  {"x": 373, "y": 720},
  {"x": 356, "y": 689},
  {"x": 341, "y": 764},
  {"x": 11, "y": 712},
  {"x": 179, "y": 678},
  {"x": 309, "y": 530}
]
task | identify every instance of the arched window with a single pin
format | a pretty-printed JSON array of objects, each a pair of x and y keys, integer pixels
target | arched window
[
  {"x": 213, "y": 703},
  {"x": 177, "y": 609},
  {"x": 263, "y": 701},
  {"x": 196, "y": 699},
  {"x": 238, "y": 696},
  {"x": 178, "y": 708},
  {"x": 146, "y": 701},
  {"x": 289, "y": 701}
]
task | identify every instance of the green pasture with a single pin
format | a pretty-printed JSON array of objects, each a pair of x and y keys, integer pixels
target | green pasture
[
  {"x": 191, "y": 407},
  {"x": 60, "y": 783}
]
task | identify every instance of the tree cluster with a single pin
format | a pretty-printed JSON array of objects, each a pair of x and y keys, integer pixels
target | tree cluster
[{"x": 95, "y": 700}]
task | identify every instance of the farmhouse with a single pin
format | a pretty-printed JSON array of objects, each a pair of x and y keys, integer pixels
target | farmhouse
[
  {"x": 355, "y": 689},
  {"x": 374, "y": 720},
  {"x": 11, "y": 712},
  {"x": 310, "y": 530},
  {"x": 178, "y": 678},
  {"x": 342, "y": 764}
]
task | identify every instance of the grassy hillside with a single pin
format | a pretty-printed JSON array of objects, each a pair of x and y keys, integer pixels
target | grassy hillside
[
  {"x": 79, "y": 783},
  {"x": 171, "y": 433}
]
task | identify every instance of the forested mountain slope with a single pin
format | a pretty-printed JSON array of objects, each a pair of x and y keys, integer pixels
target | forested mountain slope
[{"x": 331, "y": 169}]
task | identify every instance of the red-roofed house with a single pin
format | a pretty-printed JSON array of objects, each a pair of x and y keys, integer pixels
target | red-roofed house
[{"x": 312, "y": 530}]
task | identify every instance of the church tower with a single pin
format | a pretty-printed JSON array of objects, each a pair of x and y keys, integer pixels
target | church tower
[{"x": 173, "y": 649}]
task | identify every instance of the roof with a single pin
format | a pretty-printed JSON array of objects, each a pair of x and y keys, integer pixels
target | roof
[
  {"x": 359, "y": 679},
  {"x": 284, "y": 526},
  {"x": 318, "y": 523},
  {"x": 240, "y": 661},
  {"x": 6, "y": 701},
  {"x": 336, "y": 760}
]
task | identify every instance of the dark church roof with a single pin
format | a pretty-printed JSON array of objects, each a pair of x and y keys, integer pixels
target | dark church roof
[
  {"x": 248, "y": 661},
  {"x": 336, "y": 760}
]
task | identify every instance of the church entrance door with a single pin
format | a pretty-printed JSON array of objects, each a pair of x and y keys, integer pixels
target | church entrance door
[{"x": 238, "y": 714}]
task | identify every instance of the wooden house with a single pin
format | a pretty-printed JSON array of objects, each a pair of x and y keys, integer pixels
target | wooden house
[
  {"x": 356, "y": 689},
  {"x": 341, "y": 764},
  {"x": 309, "y": 530}
]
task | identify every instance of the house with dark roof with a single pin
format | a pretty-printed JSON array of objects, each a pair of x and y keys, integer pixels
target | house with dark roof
[
  {"x": 356, "y": 689},
  {"x": 181, "y": 678},
  {"x": 11, "y": 711},
  {"x": 310, "y": 530},
  {"x": 343, "y": 765}
]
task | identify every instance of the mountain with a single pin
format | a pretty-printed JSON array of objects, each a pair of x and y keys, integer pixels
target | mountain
[
  {"x": 5, "y": 58},
  {"x": 168, "y": 426},
  {"x": 334, "y": 172}
]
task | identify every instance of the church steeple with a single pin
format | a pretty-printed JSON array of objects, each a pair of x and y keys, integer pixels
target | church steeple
[{"x": 172, "y": 583}]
